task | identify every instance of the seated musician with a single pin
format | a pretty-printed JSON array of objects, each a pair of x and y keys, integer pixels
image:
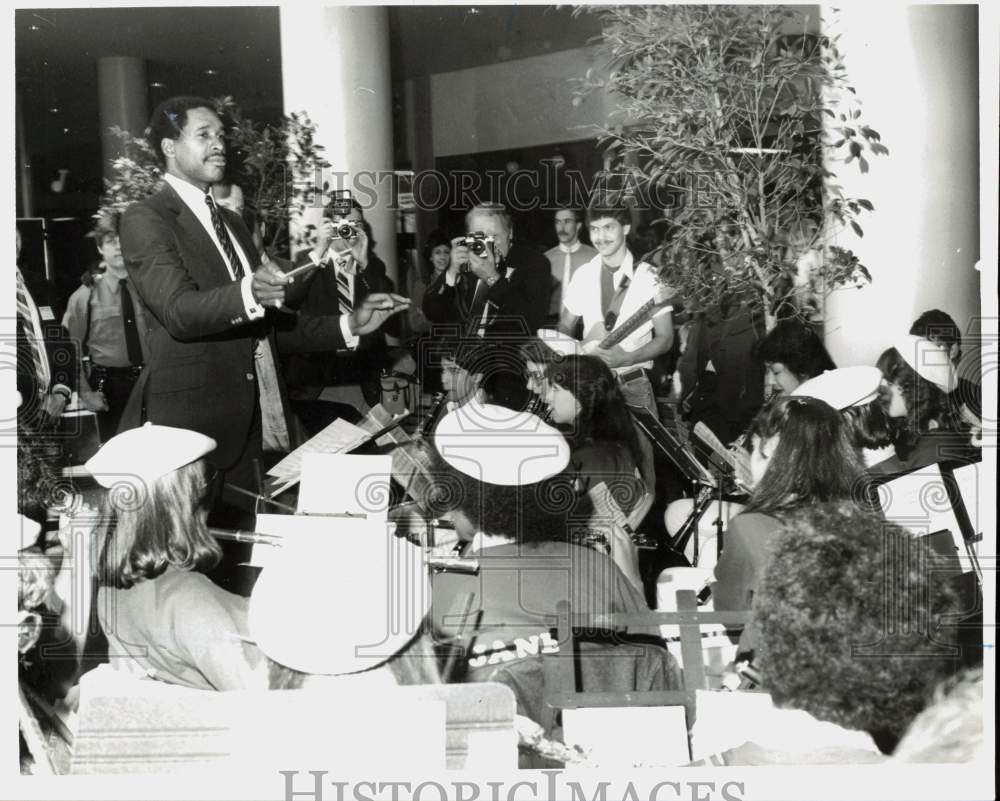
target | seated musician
[
  {"x": 482, "y": 370},
  {"x": 606, "y": 292},
  {"x": 538, "y": 353},
  {"x": 162, "y": 616},
  {"x": 855, "y": 393},
  {"x": 834, "y": 578},
  {"x": 587, "y": 405},
  {"x": 315, "y": 615},
  {"x": 504, "y": 488},
  {"x": 919, "y": 377},
  {"x": 802, "y": 454},
  {"x": 792, "y": 352}
]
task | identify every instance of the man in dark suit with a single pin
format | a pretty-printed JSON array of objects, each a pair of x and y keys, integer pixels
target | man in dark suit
[
  {"x": 351, "y": 272},
  {"x": 215, "y": 323},
  {"x": 503, "y": 291}
]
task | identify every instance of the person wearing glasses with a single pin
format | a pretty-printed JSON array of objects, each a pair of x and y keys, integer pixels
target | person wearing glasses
[{"x": 163, "y": 617}]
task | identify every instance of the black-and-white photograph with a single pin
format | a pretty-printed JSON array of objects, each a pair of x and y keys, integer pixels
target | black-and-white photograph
[{"x": 501, "y": 402}]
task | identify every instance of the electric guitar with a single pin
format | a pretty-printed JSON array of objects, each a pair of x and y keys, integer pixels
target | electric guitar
[{"x": 600, "y": 337}]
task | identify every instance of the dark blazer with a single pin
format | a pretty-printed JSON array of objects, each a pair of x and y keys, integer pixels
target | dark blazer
[
  {"x": 200, "y": 373},
  {"x": 522, "y": 300},
  {"x": 60, "y": 349}
]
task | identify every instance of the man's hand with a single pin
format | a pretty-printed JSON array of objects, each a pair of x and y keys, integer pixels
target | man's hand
[
  {"x": 52, "y": 407},
  {"x": 459, "y": 258},
  {"x": 359, "y": 248},
  {"x": 323, "y": 236},
  {"x": 612, "y": 357},
  {"x": 93, "y": 400},
  {"x": 484, "y": 267},
  {"x": 375, "y": 310},
  {"x": 268, "y": 285}
]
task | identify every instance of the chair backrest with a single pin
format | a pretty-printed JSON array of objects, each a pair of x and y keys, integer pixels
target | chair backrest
[{"x": 128, "y": 725}]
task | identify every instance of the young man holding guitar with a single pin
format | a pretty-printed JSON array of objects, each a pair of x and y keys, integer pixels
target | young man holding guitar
[{"x": 625, "y": 308}]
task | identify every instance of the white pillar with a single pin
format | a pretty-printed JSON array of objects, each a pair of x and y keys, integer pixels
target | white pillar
[
  {"x": 916, "y": 73},
  {"x": 335, "y": 65}
]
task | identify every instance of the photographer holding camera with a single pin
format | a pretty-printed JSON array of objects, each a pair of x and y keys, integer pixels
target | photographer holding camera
[
  {"x": 493, "y": 287},
  {"x": 492, "y": 283}
]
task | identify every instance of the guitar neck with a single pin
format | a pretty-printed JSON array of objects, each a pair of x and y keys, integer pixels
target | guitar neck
[{"x": 639, "y": 318}]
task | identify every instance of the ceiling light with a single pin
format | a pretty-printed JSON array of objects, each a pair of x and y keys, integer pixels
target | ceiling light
[
  {"x": 65, "y": 130},
  {"x": 158, "y": 85},
  {"x": 54, "y": 110},
  {"x": 211, "y": 72}
]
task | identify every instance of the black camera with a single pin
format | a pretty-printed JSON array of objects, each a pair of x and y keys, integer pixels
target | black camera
[
  {"x": 477, "y": 242},
  {"x": 346, "y": 229}
]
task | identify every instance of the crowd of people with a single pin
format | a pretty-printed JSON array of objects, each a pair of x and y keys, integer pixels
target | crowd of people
[{"x": 205, "y": 360}]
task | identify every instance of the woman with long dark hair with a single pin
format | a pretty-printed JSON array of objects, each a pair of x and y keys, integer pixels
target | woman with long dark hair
[
  {"x": 919, "y": 377},
  {"x": 588, "y": 407},
  {"x": 802, "y": 455},
  {"x": 162, "y": 615}
]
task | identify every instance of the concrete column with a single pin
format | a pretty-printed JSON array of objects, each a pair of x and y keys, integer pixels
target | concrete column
[
  {"x": 121, "y": 94},
  {"x": 916, "y": 72},
  {"x": 335, "y": 66}
]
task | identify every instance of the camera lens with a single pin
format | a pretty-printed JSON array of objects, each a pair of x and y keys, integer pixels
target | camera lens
[
  {"x": 478, "y": 247},
  {"x": 345, "y": 231}
]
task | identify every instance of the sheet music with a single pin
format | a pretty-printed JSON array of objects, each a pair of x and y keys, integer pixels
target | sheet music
[
  {"x": 338, "y": 437},
  {"x": 344, "y": 484},
  {"x": 737, "y": 459},
  {"x": 378, "y": 418},
  {"x": 919, "y": 502}
]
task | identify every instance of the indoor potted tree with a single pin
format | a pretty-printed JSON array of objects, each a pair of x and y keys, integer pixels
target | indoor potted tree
[{"x": 736, "y": 114}]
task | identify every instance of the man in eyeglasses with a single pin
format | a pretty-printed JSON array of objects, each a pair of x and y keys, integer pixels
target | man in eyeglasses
[{"x": 606, "y": 292}]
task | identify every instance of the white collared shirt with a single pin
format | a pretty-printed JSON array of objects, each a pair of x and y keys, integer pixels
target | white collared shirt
[
  {"x": 583, "y": 299},
  {"x": 194, "y": 199}
]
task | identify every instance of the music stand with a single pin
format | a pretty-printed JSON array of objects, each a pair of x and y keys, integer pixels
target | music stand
[{"x": 709, "y": 475}]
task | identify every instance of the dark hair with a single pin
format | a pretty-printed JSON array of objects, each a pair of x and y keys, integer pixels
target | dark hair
[
  {"x": 849, "y": 611},
  {"x": 541, "y": 512},
  {"x": 814, "y": 461},
  {"x": 163, "y": 529},
  {"x": 869, "y": 425},
  {"x": 169, "y": 118},
  {"x": 436, "y": 238},
  {"x": 576, "y": 212},
  {"x": 602, "y": 208},
  {"x": 937, "y": 326},
  {"x": 925, "y": 402},
  {"x": 603, "y": 415},
  {"x": 797, "y": 346}
]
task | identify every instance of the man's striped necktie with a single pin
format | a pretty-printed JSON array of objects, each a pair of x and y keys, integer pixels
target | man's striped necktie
[
  {"x": 34, "y": 337},
  {"x": 223, "y": 235},
  {"x": 344, "y": 297}
]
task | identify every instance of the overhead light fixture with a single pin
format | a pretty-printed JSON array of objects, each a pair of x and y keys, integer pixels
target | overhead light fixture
[
  {"x": 54, "y": 110},
  {"x": 211, "y": 72},
  {"x": 65, "y": 130},
  {"x": 158, "y": 85}
]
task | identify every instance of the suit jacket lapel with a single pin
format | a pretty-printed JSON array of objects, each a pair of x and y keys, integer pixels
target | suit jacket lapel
[{"x": 196, "y": 235}]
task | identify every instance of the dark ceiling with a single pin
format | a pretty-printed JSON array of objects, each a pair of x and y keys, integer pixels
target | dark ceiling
[{"x": 214, "y": 51}]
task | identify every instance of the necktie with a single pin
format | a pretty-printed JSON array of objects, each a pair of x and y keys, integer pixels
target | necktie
[
  {"x": 223, "y": 235},
  {"x": 132, "y": 344},
  {"x": 344, "y": 297},
  {"x": 33, "y": 335}
]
